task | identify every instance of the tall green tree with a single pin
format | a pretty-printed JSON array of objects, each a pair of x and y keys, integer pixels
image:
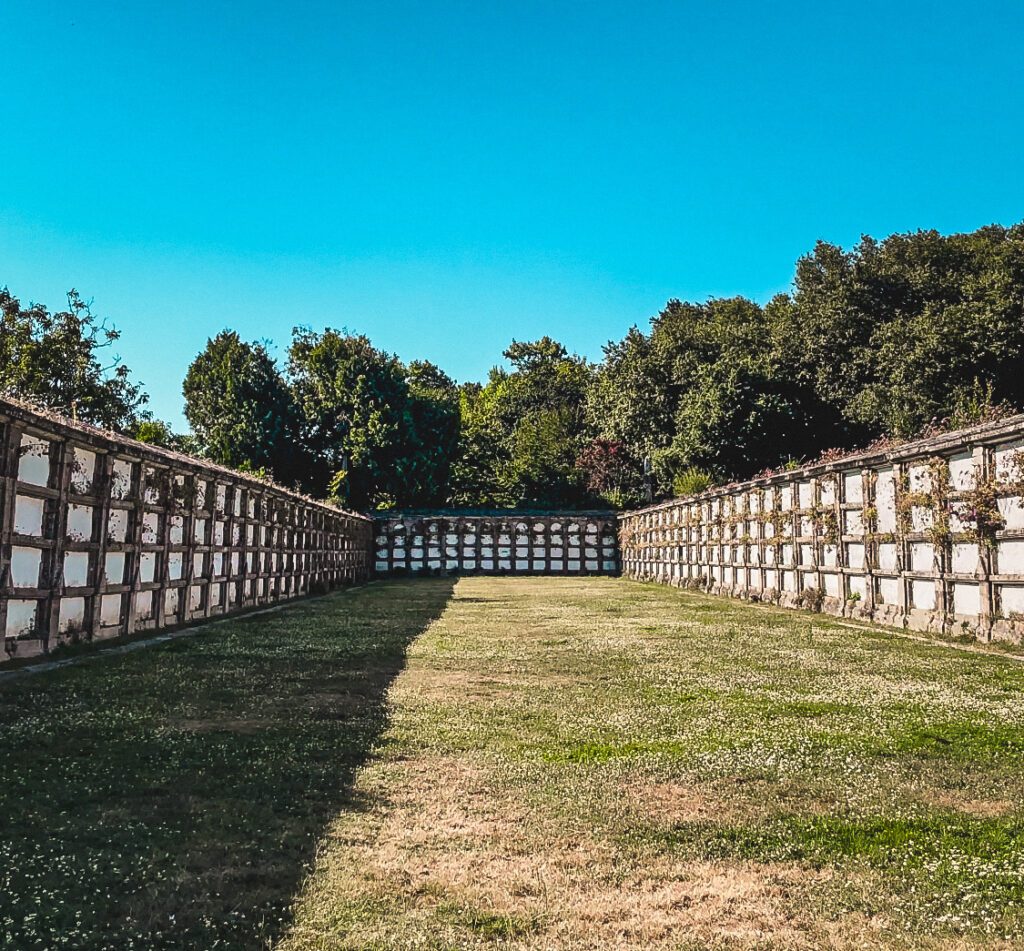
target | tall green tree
[
  {"x": 60, "y": 361},
  {"x": 706, "y": 390},
  {"x": 434, "y": 406},
  {"x": 241, "y": 410},
  {"x": 897, "y": 332},
  {"x": 635, "y": 390},
  {"x": 482, "y": 451},
  {"x": 876, "y": 341},
  {"x": 523, "y": 432},
  {"x": 378, "y": 434}
]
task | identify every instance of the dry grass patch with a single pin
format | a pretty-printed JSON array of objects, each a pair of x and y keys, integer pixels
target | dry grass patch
[
  {"x": 581, "y": 764},
  {"x": 446, "y": 846},
  {"x": 669, "y": 902},
  {"x": 978, "y": 808},
  {"x": 671, "y": 803}
]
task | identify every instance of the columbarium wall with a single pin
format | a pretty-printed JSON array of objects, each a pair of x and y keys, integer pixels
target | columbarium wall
[
  {"x": 573, "y": 543},
  {"x": 928, "y": 535},
  {"x": 102, "y": 536}
]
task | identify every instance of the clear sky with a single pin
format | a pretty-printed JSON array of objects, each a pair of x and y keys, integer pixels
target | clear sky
[{"x": 447, "y": 176}]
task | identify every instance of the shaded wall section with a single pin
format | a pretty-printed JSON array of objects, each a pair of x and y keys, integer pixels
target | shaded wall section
[
  {"x": 570, "y": 543},
  {"x": 927, "y": 535},
  {"x": 102, "y": 536}
]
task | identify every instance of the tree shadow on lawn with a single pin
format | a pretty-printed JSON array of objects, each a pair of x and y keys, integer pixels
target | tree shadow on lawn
[{"x": 173, "y": 797}]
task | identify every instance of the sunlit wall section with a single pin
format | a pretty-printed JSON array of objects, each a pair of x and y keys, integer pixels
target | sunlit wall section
[
  {"x": 102, "y": 536},
  {"x": 927, "y": 535}
]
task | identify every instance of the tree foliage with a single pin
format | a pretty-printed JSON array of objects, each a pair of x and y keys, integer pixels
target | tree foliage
[
  {"x": 434, "y": 407},
  {"x": 378, "y": 433},
  {"x": 895, "y": 333},
  {"x": 704, "y": 389},
  {"x": 609, "y": 473},
  {"x": 873, "y": 342},
  {"x": 876, "y": 341},
  {"x": 522, "y": 433},
  {"x": 241, "y": 410},
  {"x": 57, "y": 360}
]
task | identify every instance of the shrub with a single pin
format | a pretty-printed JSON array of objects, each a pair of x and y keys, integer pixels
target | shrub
[
  {"x": 811, "y": 598},
  {"x": 691, "y": 481}
]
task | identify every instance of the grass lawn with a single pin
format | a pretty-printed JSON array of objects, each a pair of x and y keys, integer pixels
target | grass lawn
[
  {"x": 522, "y": 763},
  {"x": 174, "y": 797}
]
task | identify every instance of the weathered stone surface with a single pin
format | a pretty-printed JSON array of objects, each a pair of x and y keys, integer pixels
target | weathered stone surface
[
  {"x": 102, "y": 536},
  {"x": 451, "y": 542},
  {"x": 892, "y": 536}
]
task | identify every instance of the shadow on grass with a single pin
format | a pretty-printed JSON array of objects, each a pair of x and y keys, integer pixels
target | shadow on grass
[{"x": 173, "y": 797}]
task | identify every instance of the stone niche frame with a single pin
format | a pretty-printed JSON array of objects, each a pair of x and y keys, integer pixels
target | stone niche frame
[
  {"x": 102, "y": 536},
  {"x": 501, "y": 542},
  {"x": 928, "y": 535}
]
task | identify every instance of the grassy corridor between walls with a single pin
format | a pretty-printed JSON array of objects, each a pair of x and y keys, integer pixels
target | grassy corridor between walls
[
  {"x": 535, "y": 763},
  {"x": 597, "y": 763}
]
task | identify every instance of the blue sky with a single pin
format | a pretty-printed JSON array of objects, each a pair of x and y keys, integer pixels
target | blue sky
[{"x": 447, "y": 176}]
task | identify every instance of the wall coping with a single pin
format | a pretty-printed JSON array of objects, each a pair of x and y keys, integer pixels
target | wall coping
[
  {"x": 44, "y": 422},
  {"x": 493, "y": 513}
]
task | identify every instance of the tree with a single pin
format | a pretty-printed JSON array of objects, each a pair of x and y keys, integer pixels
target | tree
[
  {"x": 897, "y": 332},
  {"x": 379, "y": 434},
  {"x": 742, "y": 414},
  {"x": 609, "y": 473},
  {"x": 634, "y": 392},
  {"x": 482, "y": 451},
  {"x": 55, "y": 360},
  {"x": 241, "y": 409},
  {"x": 434, "y": 406},
  {"x": 155, "y": 432},
  {"x": 524, "y": 430},
  {"x": 707, "y": 390}
]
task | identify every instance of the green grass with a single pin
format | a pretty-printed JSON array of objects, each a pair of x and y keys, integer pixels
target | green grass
[
  {"x": 173, "y": 797},
  {"x": 884, "y": 773},
  {"x": 486, "y": 924},
  {"x": 524, "y": 763}
]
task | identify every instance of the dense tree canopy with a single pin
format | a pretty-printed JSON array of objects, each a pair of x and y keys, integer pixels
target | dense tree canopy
[
  {"x": 877, "y": 341},
  {"x": 873, "y": 342},
  {"x": 897, "y": 332},
  {"x": 523, "y": 432},
  {"x": 434, "y": 406},
  {"x": 705, "y": 389},
  {"x": 241, "y": 410},
  {"x": 377, "y": 432}
]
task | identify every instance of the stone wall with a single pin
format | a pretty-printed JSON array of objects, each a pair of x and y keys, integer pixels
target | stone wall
[
  {"x": 928, "y": 535},
  {"x": 570, "y": 543},
  {"x": 103, "y": 536}
]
